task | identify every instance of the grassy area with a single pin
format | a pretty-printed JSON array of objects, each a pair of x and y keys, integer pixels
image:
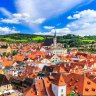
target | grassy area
[
  {"x": 21, "y": 38},
  {"x": 38, "y": 38},
  {"x": 89, "y": 41},
  {"x": 14, "y": 40}
]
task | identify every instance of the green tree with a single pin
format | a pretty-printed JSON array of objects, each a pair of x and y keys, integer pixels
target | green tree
[
  {"x": 72, "y": 94},
  {"x": 4, "y": 54},
  {"x": 7, "y": 54},
  {"x": 14, "y": 52}
]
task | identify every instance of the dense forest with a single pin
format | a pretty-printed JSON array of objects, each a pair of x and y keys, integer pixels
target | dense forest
[
  {"x": 76, "y": 41},
  {"x": 69, "y": 40},
  {"x": 21, "y": 38}
]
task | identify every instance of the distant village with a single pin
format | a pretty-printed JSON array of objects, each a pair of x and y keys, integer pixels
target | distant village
[{"x": 46, "y": 69}]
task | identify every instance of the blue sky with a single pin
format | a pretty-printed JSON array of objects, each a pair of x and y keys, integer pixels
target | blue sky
[{"x": 45, "y": 16}]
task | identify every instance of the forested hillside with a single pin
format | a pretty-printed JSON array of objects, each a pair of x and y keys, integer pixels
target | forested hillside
[{"x": 68, "y": 40}]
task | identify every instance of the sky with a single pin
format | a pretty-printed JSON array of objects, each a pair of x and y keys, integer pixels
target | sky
[{"x": 44, "y": 17}]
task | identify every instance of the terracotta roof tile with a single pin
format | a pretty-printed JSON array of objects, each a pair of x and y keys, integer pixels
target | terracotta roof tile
[
  {"x": 81, "y": 84},
  {"x": 30, "y": 91},
  {"x": 59, "y": 80},
  {"x": 7, "y": 63},
  {"x": 48, "y": 86},
  {"x": 41, "y": 88}
]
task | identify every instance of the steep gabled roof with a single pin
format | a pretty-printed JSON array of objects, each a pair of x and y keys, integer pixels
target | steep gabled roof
[
  {"x": 60, "y": 69},
  {"x": 59, "y": 80},
  {"x": 30, "y": 91},
  {"x": 89, "y": 87},
  {"x": 41, "y": 88},
  {"x": 48, "y": 86},
  {"x": 7, "y": 63},
  {"x": 81, "y": 84},
  {"x": 48, "y": 42}
]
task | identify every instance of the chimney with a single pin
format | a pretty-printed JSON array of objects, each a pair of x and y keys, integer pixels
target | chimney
[{"x": 84, "y": 74}]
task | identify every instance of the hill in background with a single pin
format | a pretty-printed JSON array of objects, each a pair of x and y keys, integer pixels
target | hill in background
[{"x": 71, "y": 40}]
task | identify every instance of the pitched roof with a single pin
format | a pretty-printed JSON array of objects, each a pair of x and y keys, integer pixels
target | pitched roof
[
  {"x": 81, "y": 84},
  {"x": 41, "y": 88},
  {"x": 19, "y": 57},
  {"x": 7, "y": 63},
  {"x": 59, "y": 80},
  {"x": 49, "y": 56},
  {"x": 34, "y": 55},
  {"x": 48, "y": 42},
  {"x": 89, "y": 87},
  {"x": 48, "y": 86},
  {"x": 30, "y": 91},
  {"x": 60, "y": 69}
]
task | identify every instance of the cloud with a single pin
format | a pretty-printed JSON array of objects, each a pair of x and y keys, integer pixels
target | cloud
[
  {"x": 18, "y": 18},
  {"x": 49, "y": 27},
  {"x": 10, "y": 21},
  {"x": 39, "y": 21},
  {"x": 5, "y": 12},
  {"x": 84, "y": 23},
  {"x": 7, "y": 30},
  {"x": 46, "y": 8},
  {"x": 86, "y": 13},
  {"x": 59, "y": 32}
]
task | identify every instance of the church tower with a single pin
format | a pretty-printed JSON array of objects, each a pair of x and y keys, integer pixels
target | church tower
[
  {"x": 59, "y": 86},
  {"x": 55, "y": 40}
]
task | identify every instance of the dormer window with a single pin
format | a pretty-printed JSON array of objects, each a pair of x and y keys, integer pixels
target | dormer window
[
  {"x": 88, "y": 83},
  {"x": 76, "y": 91},
  {"x": 76, "y": 87},
  {"x": 86, "y": 89},
  {"x": 72, "y": 79},
  {"x": 77, "y": 80},
  {"x": 93, "y": 89},
  {"x": 70, "y": 84}
]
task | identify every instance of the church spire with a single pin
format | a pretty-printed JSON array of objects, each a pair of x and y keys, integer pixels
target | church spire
[
  {"x": 55, "y": 39},
  {"x": 55, "y": 34}
]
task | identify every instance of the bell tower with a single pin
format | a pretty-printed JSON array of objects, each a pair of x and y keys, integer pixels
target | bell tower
[{"x": 55, "y": 40}]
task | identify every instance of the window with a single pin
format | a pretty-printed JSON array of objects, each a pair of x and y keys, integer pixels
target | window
[
  {"x": 88, "y": 83},
  {"x": 93, "y": 89},
  {"x": 61, "y": 90},
  {"x": 86, "y": 89}
]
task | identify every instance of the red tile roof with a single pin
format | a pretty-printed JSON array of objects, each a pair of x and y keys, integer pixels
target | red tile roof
[
  {"x": 48, "y": 86},
  {"x": 30, "y": 91},
  {"x": 81, "y": 84},
  {"x": 59, "y": 80},
  {"x": 41, "y": 88}
]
